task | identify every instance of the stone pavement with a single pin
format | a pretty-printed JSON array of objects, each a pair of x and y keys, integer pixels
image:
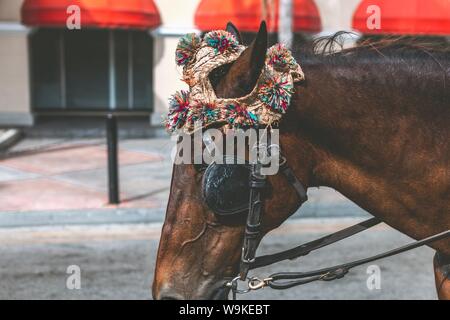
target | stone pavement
[{"x": 43, "y": 175}]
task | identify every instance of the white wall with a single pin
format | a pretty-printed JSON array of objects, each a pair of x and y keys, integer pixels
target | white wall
[
  {"x": 336, "y": 15},
  {"x": 178, "y": 19},
  {"x": 177, "y": 13},
  {"x": 10, "y": 10},
  {"x": 14, "y": 70}
]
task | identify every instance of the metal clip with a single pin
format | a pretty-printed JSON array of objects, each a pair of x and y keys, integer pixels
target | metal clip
[{"x": 255, "y": 283}]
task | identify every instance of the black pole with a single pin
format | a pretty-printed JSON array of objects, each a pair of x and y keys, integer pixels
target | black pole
[{"x": 113, "y": 169}]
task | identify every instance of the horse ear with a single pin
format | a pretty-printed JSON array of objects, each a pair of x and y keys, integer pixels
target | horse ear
[
  {"x": 231, "y": 28},
  {"x": 259, "y": 49},
  {"x": 243, "y": 74}
]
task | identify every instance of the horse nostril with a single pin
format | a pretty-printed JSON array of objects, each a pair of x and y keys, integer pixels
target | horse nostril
[{"x": 220, "y": 293}]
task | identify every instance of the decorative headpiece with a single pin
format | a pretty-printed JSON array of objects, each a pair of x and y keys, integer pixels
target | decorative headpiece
[{"x": 263, "y": 106}]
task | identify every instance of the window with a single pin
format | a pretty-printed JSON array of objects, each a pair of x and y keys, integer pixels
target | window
[
  {"x": 91, "y": 70},
  {"x": 86, "y": 69},
  {"x": 142, "y": 66},
  {"x": 45, "y": 69}
]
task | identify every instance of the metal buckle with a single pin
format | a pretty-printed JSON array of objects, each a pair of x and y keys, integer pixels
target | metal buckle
[
  {"x": 233, "y": 284},
  {"x": 244, "y": 259}
]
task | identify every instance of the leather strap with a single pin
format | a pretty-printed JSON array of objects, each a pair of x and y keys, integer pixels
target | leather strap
[
  {"x": 253, "y": 225},
  {"x": 304, "y": 249},
  {"x": 293, "y": 180},
  {"x": 336, "y": 272}
]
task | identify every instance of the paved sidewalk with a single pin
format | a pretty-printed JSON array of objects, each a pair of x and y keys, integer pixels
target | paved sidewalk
[{"x": 72, "y": 175}]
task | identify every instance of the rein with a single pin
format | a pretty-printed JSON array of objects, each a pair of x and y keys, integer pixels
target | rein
[{"x": 286, "y": 280}]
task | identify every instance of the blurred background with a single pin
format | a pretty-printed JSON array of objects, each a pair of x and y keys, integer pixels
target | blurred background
[{"x": 85, "y": 162}]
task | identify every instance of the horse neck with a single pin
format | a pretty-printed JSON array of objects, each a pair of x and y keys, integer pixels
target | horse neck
[
  {"x": 335, "y": 114},
  {"x": 365, "y": 117},
  {"x": 371, "y": 140}
]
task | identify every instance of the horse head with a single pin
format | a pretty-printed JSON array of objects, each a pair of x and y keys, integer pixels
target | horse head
[{"x": 198, "y": 249}]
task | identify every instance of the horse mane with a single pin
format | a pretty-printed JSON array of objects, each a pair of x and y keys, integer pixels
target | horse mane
[
  {"x": 332, "y": 46},
  {"x": 422, "y": 62},
  {"x": 331, "y": 49}
]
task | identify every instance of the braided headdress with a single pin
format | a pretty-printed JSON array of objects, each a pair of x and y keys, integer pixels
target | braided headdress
[{"x": 263, "y": 106}]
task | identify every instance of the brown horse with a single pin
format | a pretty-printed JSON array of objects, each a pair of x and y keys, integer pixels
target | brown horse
[{"x": 372, "y": 122}]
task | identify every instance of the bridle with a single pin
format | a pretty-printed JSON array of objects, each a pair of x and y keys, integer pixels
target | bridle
[{"x": 285, "y": 280}]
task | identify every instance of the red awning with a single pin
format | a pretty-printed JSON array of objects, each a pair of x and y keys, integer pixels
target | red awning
[
  {"x": 247, "y": 15},
  {"x": 129, "y": 14},
  {"x": 405, "y": 17}
]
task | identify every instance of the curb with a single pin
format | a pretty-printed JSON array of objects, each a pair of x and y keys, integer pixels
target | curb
[
  {"x": 118, "y": 216},
  {"x": 80, "y": 217},
  {"x": 9, "y": 138}
]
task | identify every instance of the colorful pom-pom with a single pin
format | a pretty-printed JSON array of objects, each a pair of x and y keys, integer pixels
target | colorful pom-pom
[
  {"x": 193, "y": 115},
  {"x": 186, "y": 48},
  {"x": 239, "y": 117},
  {"x": 205, "y": 113},
  {"x": 210, "y": 113},
  {"x": 178, "y": 110},
  {"x": 276, "y": 93},
  {"x": 221, "y": 40},
  {"x": 280, "y": 57}
]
